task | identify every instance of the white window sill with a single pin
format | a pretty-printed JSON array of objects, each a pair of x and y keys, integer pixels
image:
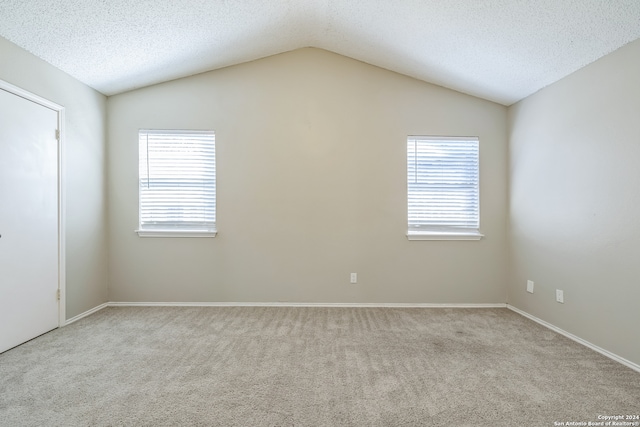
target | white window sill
[
  {"x": 176, "y": 233},
  {"x": 444, "y": 235}
]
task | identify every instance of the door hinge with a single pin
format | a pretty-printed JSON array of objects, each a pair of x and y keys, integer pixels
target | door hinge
[
  {"x": 58, "y": 294},
  {"x": 58, "y": 134}
]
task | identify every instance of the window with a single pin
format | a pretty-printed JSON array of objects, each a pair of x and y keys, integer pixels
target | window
[
  {"x": 443, "y": 190},
  {"x": 177, "y": 183}
]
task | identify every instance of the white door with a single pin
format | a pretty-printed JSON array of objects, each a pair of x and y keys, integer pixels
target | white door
[{"x": 28, "y": 220}]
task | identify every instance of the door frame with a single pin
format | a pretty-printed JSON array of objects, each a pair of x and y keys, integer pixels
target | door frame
[{"x": 59, "y": 109}]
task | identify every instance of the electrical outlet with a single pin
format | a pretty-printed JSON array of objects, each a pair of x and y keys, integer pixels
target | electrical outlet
[
  {"x": 354, "y": 277},
  {"x": 530, "y": 286},
  {"x": 559, "y": 296}
]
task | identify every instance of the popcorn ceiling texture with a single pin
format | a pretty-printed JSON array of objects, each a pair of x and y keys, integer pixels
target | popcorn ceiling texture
[{"x": 501, "y": 50}]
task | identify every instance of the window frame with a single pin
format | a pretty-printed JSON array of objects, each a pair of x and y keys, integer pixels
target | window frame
[
  {"x": 184, "y": 230},
  {"x": 435, "y": 232}
]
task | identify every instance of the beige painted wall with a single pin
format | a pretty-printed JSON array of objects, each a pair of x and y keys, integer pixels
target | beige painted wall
[
  {"x": 311, "y": 158},
  {"x": 575, "y": 202},
  {"x": 84, "y": 156}
]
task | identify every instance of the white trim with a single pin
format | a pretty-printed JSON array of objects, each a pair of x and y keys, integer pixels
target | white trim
[
  {"x": 62, "y": 215},
  {"x": 62, "y": 277},
  {"x": 443, "y": 235},
  {"x": 175, "y": 233},
  {"x": 577, "y": 339},
  {"x": 86, "y": 313},
  {"x": 29, "y": 96},
  {"x": 302, "y": 304},
  {"x": 437, "y": 138}
]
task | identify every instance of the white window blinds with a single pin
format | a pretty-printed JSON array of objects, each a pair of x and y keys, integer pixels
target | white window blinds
[
  {"x": 443, "y": 190},
  {"x": 177, "y": 181}
]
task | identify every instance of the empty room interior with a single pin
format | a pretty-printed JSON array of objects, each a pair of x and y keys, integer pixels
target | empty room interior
[{"x": 320, "y": 213}]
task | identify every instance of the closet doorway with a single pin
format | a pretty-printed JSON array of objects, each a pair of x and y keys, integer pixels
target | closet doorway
[{"x": 31, "y": 250}]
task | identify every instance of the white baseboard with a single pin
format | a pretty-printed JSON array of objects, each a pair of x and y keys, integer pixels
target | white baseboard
[
  {"x": 577, "y": 339},
  {"x": 301, "y": 304},
  {"x": 85, "y": 314}
]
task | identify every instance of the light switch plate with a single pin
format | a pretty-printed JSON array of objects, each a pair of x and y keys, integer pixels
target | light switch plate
[{"x": 530, "y": 286}]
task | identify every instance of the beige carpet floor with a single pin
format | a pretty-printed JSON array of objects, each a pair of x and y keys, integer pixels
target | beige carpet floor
[{"x": 268, "y": 366}]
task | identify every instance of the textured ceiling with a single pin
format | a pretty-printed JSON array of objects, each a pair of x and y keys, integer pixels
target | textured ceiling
[{"x": 501, "y": 50}]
